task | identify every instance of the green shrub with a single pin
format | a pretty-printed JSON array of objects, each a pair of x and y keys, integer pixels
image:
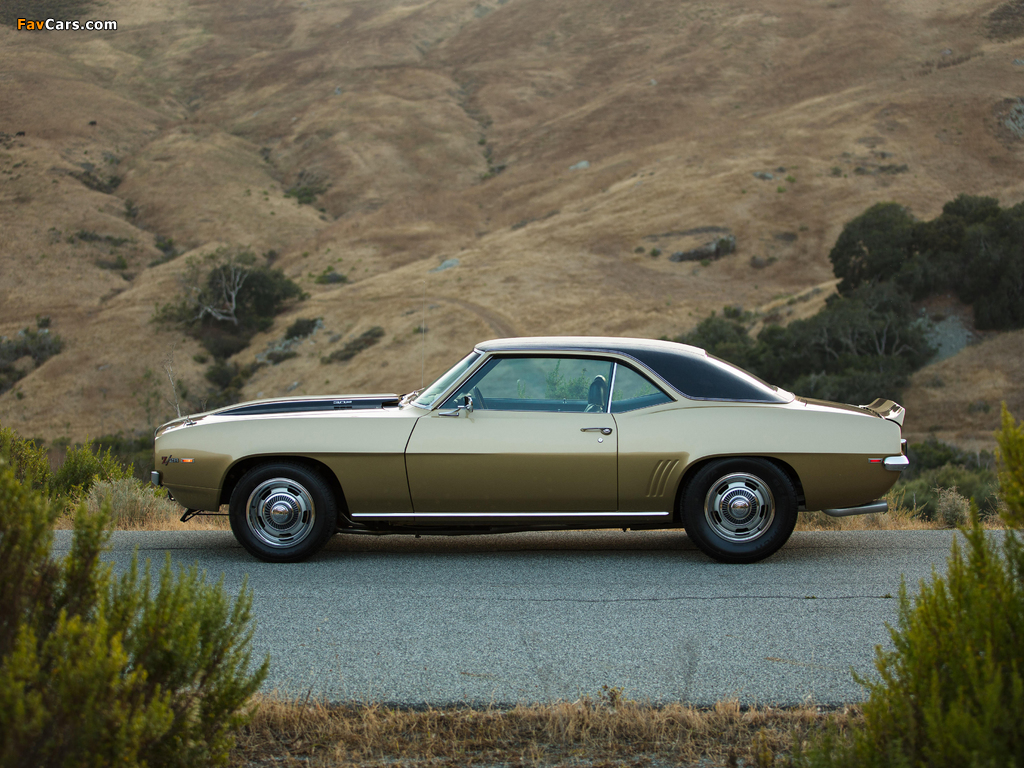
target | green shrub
[
  {"x": 303, "y": 327},
  {"x": 365, "y": 340},
  {"x": 97, "y": 670},
  {"x": 933, "y": 454},
  {"x": 980, "y": 485},
  {"x": 1011, "y": 469},
  {"x": 134, "y": 451},
  {"x": 39, "y": 345},
  {"x": 29, "y": 461},
  {"x": 82, "y": 467},
  {"x": 858, "y": 347},
  {"x": 872, "y": 246},
  {"x": 951, "y": 691}
]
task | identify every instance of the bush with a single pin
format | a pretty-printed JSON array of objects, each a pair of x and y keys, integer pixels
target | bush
[
  {"x": 873, "y": 246},
  {"x": 82, "y": 467},
  {"x": 39, "y": 345},
  {"x": 133, "y": 503},
  {"x": 303, "y": 327},
  {"x": 1011, "y": 469},
  {"x": 859, "y": 347},
  {"x": 97, "y": 670},
  {"x": 29, "y": 462},
  {"x": 951, "y": 690},
  {"x": 365, "y": 340},
  {"x": 980, "y": 485}
]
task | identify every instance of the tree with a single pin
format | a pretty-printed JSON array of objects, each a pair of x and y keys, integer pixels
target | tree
[{"x": 872, "y": 247}]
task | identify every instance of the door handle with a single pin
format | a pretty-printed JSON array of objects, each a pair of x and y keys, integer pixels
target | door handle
[{"x": 602, "y": 430}]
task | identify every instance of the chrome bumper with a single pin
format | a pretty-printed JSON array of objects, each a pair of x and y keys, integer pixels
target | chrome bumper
[
  {"x": 896, "y": 463},
  {"x": 874, "y": 508},
  {"x": 154, "y": 478}
]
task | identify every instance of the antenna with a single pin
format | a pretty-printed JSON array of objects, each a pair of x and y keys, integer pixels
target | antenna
[{"x": 423, "y": 337}]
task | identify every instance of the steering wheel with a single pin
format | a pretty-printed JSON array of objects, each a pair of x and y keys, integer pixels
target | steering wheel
[{"x": 478, "y": 398}]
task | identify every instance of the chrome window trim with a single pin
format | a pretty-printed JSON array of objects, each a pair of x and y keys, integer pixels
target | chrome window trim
[
  {"x": 654, "y": 374},
  {"x": 543, "y": 353},
  {"x": 445, "y": 394},
  {"x": 611, "y": 386}
]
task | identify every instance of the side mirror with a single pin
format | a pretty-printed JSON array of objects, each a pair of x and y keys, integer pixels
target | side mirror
[{"x": 467, "y": 406}]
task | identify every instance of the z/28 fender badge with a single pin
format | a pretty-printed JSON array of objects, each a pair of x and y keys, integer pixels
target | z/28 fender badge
[{"x": 165, "y": 460}]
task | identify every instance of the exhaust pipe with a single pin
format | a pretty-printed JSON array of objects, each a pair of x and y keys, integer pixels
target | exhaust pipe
[{"x": 874, "y": 508}]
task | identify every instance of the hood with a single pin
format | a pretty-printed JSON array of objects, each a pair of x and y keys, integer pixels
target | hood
[{"x": 281, "y": 405}]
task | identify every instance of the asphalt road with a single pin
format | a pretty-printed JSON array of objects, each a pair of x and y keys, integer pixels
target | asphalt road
[{"x": 539, "y": 617}]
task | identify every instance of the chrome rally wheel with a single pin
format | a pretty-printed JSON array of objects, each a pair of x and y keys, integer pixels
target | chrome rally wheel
[
  {"x": 283, "y": 511},
  {"x": 740, "y": 507},
  {"x": 739, "y": 510},
  {"x": 280, "y": 512}
]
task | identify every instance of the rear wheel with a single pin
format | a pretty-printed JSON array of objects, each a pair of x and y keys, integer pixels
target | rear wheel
[
  {"x": 739, "y": 510},
  {"x": 282, "y": 512}
]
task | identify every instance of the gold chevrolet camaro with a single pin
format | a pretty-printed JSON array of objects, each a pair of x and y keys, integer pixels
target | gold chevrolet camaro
[{"x": 539, "y": 434}]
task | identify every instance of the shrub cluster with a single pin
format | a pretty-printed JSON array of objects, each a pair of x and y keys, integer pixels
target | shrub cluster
[
  {"x": 867, "y": 340},
  {"x": 974, "y": 249},
  {"x": 37, "y": 344},
  {"x": 83, "y": 466},
  {"x": 860, "y": 346},
  {"x": 365, "y": 340},
  {"x": 99, "y": 670}
]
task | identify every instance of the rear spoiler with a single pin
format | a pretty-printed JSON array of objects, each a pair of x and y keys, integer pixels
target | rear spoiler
[{"x": 887, "y": 409}]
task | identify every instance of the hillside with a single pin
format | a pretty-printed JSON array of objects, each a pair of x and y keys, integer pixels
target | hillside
[{"x": 548, "y": 147}]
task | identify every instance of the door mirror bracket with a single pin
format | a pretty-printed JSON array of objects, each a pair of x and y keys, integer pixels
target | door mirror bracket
[{"x": 467, "y": 406}]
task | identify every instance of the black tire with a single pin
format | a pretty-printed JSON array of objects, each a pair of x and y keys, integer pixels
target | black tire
[
  {"x": 282, "y": 512},
  {"x": 739, "y": 510}
]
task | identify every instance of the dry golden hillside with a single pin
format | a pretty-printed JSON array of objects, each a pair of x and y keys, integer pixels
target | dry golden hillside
[{"x": 547, "y": 146}]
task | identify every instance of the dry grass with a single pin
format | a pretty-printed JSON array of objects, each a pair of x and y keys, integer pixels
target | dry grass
[
  {"x": 608, "y": 731},
  {"x": 135, "y": 506},
  {"x": 954, "y": 511}
]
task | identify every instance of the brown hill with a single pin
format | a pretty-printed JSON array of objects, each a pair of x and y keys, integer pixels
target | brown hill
[{"x": 547, "y": 146}]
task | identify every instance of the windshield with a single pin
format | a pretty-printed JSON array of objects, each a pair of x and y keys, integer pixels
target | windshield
[{"x": 431, "y": 393}]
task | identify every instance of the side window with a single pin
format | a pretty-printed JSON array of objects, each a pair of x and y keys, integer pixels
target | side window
[
  {"x": 633, "y": 390},
  {"x": 566, "y": 384}
]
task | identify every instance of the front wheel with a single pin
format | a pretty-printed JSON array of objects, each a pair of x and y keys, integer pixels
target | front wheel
[
  {"x": 739, "y": 510},
  {"x": 282, "y": 512}
]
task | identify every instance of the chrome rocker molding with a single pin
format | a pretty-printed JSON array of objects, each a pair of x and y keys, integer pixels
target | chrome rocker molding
[
  {"x": 874, "y": 508},
  {"x": 467, "y": 515}
]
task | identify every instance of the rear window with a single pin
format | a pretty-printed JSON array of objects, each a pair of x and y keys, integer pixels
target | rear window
[{"x": 709, "y": 378}]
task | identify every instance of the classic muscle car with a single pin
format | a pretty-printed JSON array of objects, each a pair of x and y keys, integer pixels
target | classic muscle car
[{"x": 539, "y": 433}]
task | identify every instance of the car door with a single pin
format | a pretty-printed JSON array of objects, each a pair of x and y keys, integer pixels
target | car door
[{"x": 537, "y": 442}]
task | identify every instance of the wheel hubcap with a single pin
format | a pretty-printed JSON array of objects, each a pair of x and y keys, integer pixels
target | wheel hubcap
[
  {"x": 739, "y": 507},
  {"x": 280, "y": 512}
]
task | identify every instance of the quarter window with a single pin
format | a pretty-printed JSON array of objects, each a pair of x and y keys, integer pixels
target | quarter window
[{"x": 633, "y": 390}]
